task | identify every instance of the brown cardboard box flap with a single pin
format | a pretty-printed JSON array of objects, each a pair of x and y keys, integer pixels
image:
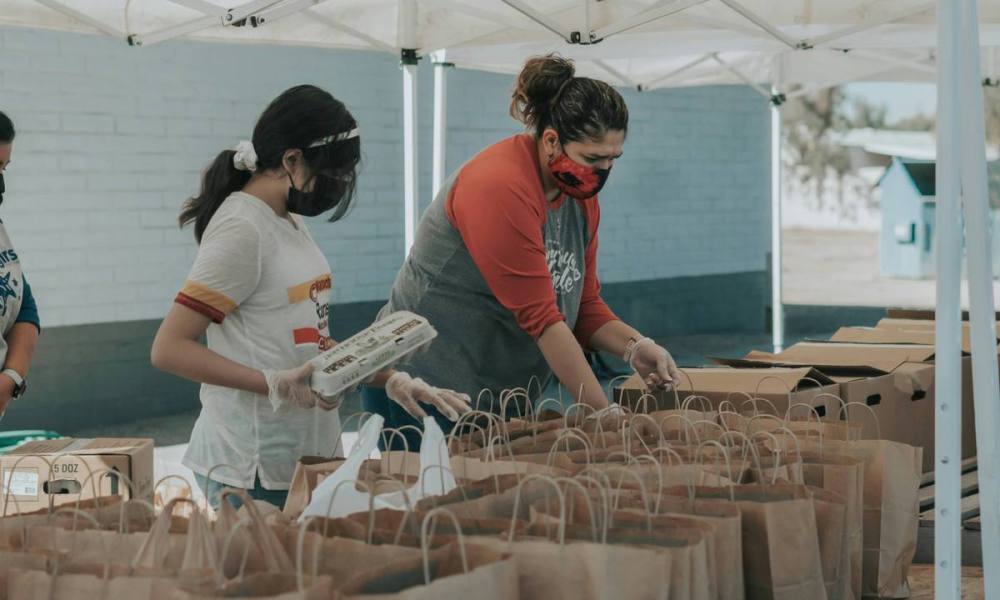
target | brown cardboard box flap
[
  {"x": 916, "y": 331},
  {"x": 83, "y": 447},
  {"x": 836, "y": 358},
  {"x": 720, "y": 379}
]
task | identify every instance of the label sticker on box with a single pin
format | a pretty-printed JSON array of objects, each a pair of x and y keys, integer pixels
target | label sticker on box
[{"x": 21, "y": 482}]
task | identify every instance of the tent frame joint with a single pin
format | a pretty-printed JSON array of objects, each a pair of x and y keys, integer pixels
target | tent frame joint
[
  {"x": 778, "y": 98},
  {"x": 409, "y": 56}
]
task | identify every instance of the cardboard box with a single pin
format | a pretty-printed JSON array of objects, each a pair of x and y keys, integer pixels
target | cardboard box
[
  {"x": 921, "y": 314},
  {"x": 50, "y": 473},
  {"x": 905, "y": 330},
  {"x": 719, "y": 384},
  {"x": 838, "y": 358},
  {"x": 895, "y": 380}
]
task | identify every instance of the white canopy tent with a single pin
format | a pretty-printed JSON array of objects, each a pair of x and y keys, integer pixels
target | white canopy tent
[{"x": 658, "y": 43}]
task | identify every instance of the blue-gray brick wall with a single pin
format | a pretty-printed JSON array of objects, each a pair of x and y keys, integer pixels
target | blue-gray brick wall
[{"x": 112, "y": 139}]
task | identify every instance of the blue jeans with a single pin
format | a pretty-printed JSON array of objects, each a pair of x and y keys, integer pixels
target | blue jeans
[
  {"x": 213, "y": 491},
  {"x": 375, "y": 400}
]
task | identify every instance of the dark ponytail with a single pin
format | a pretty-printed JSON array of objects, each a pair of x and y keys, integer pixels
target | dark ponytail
[
  {"x": 298, "y": 118},
  {"x": 220, "y": 180},
  {"x": 548, "y": 94}
]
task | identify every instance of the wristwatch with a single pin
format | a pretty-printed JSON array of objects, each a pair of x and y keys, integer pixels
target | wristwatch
[{"x": 20, "y": 385}]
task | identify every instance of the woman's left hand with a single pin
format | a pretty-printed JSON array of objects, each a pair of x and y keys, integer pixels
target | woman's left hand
[{"x": 655, "y": 365}]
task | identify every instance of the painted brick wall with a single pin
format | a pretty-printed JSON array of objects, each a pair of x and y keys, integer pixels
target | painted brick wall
[{"x": 112, "y": 139}]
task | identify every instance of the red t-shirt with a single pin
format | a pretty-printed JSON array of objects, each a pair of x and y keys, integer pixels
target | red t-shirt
[{"x": 500, "y": 211}]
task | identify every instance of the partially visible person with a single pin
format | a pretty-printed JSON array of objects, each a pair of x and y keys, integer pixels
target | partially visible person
[{"x": 19, "y": 322}]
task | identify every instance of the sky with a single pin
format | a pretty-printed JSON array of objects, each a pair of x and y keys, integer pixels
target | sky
[{"x": 901, "y": 99}]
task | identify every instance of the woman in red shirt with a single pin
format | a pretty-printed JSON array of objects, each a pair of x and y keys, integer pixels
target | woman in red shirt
[{"x": 505, "y": 259}]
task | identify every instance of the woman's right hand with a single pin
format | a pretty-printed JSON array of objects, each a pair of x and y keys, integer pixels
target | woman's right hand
[
  {"x": 291, "y": 386},
  {"x": 410, "y": 393}
]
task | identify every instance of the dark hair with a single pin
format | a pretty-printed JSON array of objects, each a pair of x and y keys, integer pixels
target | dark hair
[
  {"x": 548, "y": 94},
  {"x": 6, "y": 129},
  {"x": 298, "y": 117}
]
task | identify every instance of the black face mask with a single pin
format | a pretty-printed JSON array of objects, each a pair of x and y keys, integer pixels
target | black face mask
[
  {"x": 325, "y": 195},
  {"x": 2, "y": 189}
]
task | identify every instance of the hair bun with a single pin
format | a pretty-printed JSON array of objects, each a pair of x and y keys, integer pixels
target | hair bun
[{"x": 538, "y": 84}]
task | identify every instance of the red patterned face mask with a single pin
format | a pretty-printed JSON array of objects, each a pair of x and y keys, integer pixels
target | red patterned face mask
[{"x": 576, "y": 180}]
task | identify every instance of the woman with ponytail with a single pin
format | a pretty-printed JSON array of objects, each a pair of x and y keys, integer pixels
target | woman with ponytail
[
  {"x": 505, "y": 259},
  {"x": 259, "y": 291}
]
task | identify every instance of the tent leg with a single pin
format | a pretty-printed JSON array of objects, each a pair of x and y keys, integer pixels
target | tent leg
[
  {"x": 948, "y": 383},
  {"x": 440, "y": 124},
  {"x": 777, "y": 305},
  {"x": 410, "y": 167},
  {"x": 982, "y": 316}
]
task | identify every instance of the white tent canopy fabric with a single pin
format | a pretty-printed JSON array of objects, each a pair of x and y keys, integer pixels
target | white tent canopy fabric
[{"x": 660, "y": 43}]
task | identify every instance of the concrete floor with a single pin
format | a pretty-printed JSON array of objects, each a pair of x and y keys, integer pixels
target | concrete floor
[{"x": 841, "y": 268}]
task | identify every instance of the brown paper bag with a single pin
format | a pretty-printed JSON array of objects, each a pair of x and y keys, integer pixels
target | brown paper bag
[
  {"x": 723, "y": 515},
  {"x": 457, "y": 570},
  {"x": 686, "y": 549},
  {"x": 584, "y": 570},
  {"x": 831, "y": 530},
  {"x": 248, "y": 542},
  {"x": 270, "y": 586},
  {"x": 340, "y": 558},
  {"x": 657, "y": 530},
  {"x": 11, "y": 561},
  {"x": 39, "y": 585},
  {"x": 781, "y": 558},
  {"x": 891, "y": 507},
  {"x": 845, "y": 476}
]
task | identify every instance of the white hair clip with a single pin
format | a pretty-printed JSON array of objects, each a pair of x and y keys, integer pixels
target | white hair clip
[
  {"x": 337, "y": 137},
  {"x": 245, "y": 158}
]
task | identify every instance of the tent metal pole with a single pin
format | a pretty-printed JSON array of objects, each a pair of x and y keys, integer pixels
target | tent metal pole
[
  {"x": 777, "y": 300},
  {"x": 654, "y": 13},
  {"x": 896, "y": 60},
  {"x": 982, "y": 315},
  {"x": 948, "y": 382},
  {"x": 337, "y": 25},
  {"x": 762, "y": 23},
  {"x": 229, "y": 17},
  {"x": 625, "y": 79},
  {"x": 540, "y": 18},
  {"x": 862, "y": 27},
  {"x": 441, "y": 68},
  {"x": 694, "y": 63},
  {"x": 410, "y": 165},
  {"x": 202, "y": 6},
  {"x": 739, "y": 75},
  {"x": 82, "y": 17},
  {"x": 279, "y": 12}
]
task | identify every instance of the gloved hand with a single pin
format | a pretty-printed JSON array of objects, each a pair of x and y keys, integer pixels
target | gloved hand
[
  {"x": 409, "y": 393},
  {"x": 291, "y": 386},
  {"x": 654, "y": 365}
]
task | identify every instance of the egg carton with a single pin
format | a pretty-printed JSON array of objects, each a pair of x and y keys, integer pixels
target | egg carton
[{"x": 385, "y": 343}]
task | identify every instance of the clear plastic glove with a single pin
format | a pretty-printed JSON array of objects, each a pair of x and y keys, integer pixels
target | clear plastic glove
[
  {"x": 654, "y": 365},
  {"x": 291, "y": 387},
  {"x": 410, "y": 393}
]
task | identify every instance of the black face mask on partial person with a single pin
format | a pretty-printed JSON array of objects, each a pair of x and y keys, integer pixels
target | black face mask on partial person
[
  {"x": 2, "y": 189},
  {"x": 325, "y": 195}
]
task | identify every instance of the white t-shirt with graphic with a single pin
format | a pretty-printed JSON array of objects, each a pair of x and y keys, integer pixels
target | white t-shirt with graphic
[{"x": 266, "y": 286}]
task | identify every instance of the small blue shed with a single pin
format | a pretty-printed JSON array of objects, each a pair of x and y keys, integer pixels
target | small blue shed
[{"x": 906, "y": 242}]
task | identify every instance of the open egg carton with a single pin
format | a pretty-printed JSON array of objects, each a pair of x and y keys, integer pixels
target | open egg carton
[{"x": 385, "y": 343}]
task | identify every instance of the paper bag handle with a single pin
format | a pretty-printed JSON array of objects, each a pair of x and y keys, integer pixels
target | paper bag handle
[
  {"x": 430, "y": 520},
  {"x": 517, "y": 505}
]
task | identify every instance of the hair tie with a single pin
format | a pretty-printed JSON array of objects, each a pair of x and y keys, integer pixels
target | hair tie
[{"x": 245, "y": 158}]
